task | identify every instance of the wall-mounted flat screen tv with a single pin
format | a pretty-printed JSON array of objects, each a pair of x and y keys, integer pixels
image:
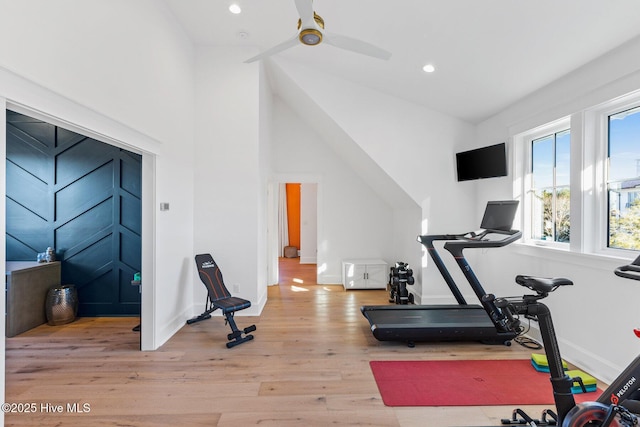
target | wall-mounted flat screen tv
[{"x": 485, "y": 162}]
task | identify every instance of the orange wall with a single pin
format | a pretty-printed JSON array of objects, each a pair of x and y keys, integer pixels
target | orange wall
[{"x": 293, "y": 214}]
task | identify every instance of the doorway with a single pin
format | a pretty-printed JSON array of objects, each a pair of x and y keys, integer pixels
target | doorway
[
  {"x": 83, "y": 198},
  {"x": 306, "y": 222}
]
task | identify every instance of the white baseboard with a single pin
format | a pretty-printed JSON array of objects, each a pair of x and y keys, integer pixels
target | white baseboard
[
  {"x": 582, "y": 358},
  {"x": 328, "y": 279},
  {"x": 171, "y": 328}
]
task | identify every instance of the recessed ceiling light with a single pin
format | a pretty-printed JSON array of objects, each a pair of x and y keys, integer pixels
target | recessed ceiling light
[
  {"x": 235, "y": 9},
  {"x": 429, "y": 68}
]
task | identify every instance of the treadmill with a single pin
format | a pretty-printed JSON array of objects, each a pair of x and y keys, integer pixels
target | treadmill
[{"x": 454, "y": 322}]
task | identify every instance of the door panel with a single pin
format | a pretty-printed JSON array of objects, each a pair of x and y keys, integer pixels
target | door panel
[
  {"x": 377, "y": 274},
  {"x": 83, "y": 198}
]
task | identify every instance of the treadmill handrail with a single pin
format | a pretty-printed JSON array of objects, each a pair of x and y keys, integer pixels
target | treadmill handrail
[
  {"x": 480, "y": 242},
  {"x": 471, "y": 239},
  {"x": 455, "y": 245},
  {"x": 427, "y": 241}
]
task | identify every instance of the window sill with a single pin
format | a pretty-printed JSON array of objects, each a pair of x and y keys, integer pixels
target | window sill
[{"x": 562, "y": 255}]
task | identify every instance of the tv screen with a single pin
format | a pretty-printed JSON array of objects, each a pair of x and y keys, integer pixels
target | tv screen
[{"x": 485, "y": 162}]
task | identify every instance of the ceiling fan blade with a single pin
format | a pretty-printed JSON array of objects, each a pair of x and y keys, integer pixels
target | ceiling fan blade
[
  {"x": 355, "y": 45},
  {"x": 277, "y": 48},
  {"x": 305, "y": 11}
]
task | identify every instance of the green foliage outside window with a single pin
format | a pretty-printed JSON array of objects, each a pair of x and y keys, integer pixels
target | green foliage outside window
[
  {"x": 550, "y": 182},
  {"x": 556, "y": 228},
  {"x": 624, "y": 229}
]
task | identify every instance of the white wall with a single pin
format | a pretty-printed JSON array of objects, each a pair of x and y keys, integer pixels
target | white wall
[
  {"x": 308, "y": 223},
  {"x": 353, "y": 221},
  {"x": 263, "y": 250},
  {"x": 406, "y": 228},
  {"x": 128, "y": 60},
  {"x": 595, "y": 317},
  {"x": 230, "y": 177}
]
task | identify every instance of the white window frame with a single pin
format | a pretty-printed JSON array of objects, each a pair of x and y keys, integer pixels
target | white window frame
[
  {"x": 598, "y": 121},
  {"x": 523, "y": 143},
  {"x": 589, "y": 198}
]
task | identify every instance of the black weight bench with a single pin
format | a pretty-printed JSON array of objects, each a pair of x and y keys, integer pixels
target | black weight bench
[{"x": 219, "y": 297}]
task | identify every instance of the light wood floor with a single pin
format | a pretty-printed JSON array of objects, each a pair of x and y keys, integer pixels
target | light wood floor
[{"x": 307, "y": 366}]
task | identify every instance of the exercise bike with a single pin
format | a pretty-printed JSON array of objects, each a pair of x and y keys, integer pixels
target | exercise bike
[{"x": 617, "y": 406}]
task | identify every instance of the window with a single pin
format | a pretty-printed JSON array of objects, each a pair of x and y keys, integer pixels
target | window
[
  {"x": 550, "y": 187},
  {"x": 623, "y": 179},
  {"x": 578, "y": 180}
]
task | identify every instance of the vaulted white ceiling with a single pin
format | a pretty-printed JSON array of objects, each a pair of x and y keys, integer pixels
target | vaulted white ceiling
[{"x": 487, "y": 53}]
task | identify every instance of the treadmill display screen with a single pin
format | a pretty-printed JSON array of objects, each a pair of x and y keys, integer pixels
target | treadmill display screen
[{"x": 499, "y": 215}]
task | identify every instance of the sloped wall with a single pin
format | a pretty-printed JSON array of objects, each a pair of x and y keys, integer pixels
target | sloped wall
[
  {"x": 354, "y": 222},
  {"x": 395, "y": 145}
]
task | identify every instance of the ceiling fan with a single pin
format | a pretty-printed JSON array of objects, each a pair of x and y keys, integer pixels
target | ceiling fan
[{"x": 311, "y": 33}]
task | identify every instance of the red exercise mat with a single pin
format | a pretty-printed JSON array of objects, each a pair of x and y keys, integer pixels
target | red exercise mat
[{"x": 464, "y": 383}]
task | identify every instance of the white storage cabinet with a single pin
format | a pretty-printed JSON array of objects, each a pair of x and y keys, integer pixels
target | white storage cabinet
[{"x": 364, "y": 274}]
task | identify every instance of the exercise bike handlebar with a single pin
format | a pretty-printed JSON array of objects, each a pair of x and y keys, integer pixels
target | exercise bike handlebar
[{"x": 629, "y": 271}]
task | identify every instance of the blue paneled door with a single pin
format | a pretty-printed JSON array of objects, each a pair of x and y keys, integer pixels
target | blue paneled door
[{"x": 83, "y": 198}]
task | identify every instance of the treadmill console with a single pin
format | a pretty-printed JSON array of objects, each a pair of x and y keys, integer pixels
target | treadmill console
[
  {"x": 495, "y": 225},
  {"x": 499, "y": 215}
]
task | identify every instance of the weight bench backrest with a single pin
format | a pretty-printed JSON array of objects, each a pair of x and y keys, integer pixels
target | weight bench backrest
[
  {"x": 211, "y": 276},
  {"x": 219, "y": 297}
]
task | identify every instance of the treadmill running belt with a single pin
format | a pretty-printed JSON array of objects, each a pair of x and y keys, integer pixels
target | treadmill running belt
[{"x": 432, "y": 323}]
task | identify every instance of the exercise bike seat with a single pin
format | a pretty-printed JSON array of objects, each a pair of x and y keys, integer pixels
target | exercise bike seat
[{"x": 542, "y": 285}]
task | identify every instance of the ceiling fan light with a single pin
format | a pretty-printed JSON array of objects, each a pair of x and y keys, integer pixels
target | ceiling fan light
[
  {"x": 235, "y": 8},
  {"x": 310, "y": 36}
]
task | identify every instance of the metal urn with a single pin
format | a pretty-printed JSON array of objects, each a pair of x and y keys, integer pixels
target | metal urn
[{"x": 62, "y": 305}]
